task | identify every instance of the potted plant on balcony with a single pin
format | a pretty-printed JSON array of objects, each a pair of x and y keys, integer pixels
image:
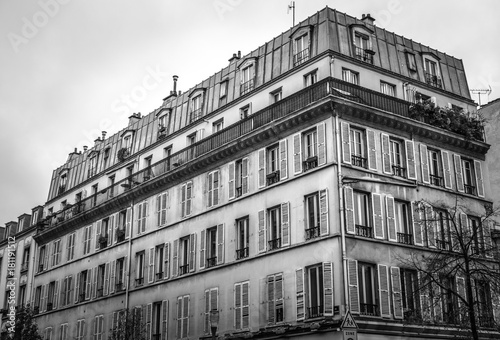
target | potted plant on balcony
[
  {"x": 122, "y": 154},
  {"x": 120, "y": 234},
  {"x": 103, "y": 240}
]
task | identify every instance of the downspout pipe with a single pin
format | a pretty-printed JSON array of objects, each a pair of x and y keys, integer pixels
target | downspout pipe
[{"x": 129, "y": 265}]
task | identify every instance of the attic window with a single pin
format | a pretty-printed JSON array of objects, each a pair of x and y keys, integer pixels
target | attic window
[
  {"x": 301, "y": 39},
  {"x": 411, "y": 62},
  {"x": 63, "y": 181},
  {"x": 126, "y": 145},
  {"x": 196, "y": 100},
  {"x": 362, "y": 43},
  {"x": 432, "y": 74}
]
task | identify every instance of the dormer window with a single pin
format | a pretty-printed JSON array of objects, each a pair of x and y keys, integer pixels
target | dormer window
[
  {"x": 63, "y": 181},
  {"x": 163, "y": 117},
  {"x": 223, "y": 88},
  {"x": 196, "y": 104},
  {"x": 362, "y": 43},
  {"x": 432, "y": 74},
  {"x": 411, "y": 63},
  {"x": 92, "y": 169},
  {"x": 301, "y": 39},
  {"x": 247, "y": 83},
  {"x": 126, "y": 145}
]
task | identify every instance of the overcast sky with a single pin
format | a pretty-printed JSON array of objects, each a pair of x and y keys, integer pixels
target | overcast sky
[{"x": 67, "y": 65}]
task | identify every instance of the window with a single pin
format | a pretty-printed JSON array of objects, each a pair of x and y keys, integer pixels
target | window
[
  {"x": 212, "y": 246},
  {"x": 161, "y": 209},
  {"x": 87, "y": 232},
  {"x": 63, "y": 181},
  {"x": 218, "y": 125},
  {"x": 432, "y": 75},
  {"x": 241, "y": 305},
  {"x": 247, "y": 79},
  {"x": 367, "y": 289},
  {"x": 311, "y": 78},
  {"x": 159, "y": 261},
  {"x": 350, "y": 76},
  {"x": 276, "y": 95},
  {"x": 272, "y": 159},
  {"x": 83, "y": 285},
  {"x": 48, "y": 333},
  {"x": 468, "y": 176},
  {"x": 310, "y": 146},
  {"x": 435, "y": 168},
  {"x": 213, "y": 188},
  {"x": 309, "y": 149},
  {"x": 191, "y": 140},
  {"x": 56, "y": 252},
  {"x": 357, "y": 142},
  {"x": 139, "y": 268},
  {"x": 120, "y": 274},
  {"x": 63, "y": 332},
  {"x": 105, "y": 157},
  {"x": 142, "y": 214},
  {"x": 245, "y": 111},
  {"x": 38, "y": 296},
  {"x": 301, "y": 48},
  {"x": 21, "y": 299},
  {"x": 184, "y": 255},
  {"x": 26, "y": 259},
  {"x": 362, "y": 214},
  {"x": 70, "y": 245},
  {"x": 388, "y": 89},
  {"x": 186, "y": 196},
  {"x": 273, "y": 217},
  {"x": 80, "y": 329},
  {"x": 397, "y": 156},
  {"x": 158, "y": 321},
  {"x": 148, "y": 169},
  {"x": 102, "y": 232},
  {"x": 483, "y": 298},
  {"x": 211, "y": 303},
  {"x": 51, "y": 296},
  {"x": 195, "y": 108},
  {"x": 93, "y": 200},
  {"x": 101, "y": 270},
  {"x": 312, "y": 216},
  {"x": 238, "y": 178},
  {"x": 318, "y": 286},
  {"x": 411, "y": 63},
  {"x": 409, "y": 293},
  {"x": 362, "y": 48},
  {"x": 275, "y": 298},
  {"x": 98, "y": 330},
  {"x": 167, "y": 152},
  {"x": 182, "y": 317},
  {"x": 42, "y": 258},
  {"x": 34, "y": 218},
  {"x": 111, "y": 187},
  {"x": 122, "y": 226},
  {"x": 402, "y": 219},
  {"x": 443, "y": 236},
  {"x": 476, "y": 235},
  {"x": 92, "y": 170},
  {"x": 66, "y": 291},
  {"x": 223, "y": 88},
  {"x": 242, "y": 238}
]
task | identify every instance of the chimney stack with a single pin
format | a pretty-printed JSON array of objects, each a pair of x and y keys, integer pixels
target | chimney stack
[
  {"x": 104, "y": 135},
  {"x": 367, "y": 19},
  {"x": 235, "y": 57}
]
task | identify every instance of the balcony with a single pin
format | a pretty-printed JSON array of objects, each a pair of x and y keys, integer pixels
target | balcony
[
  {"x": 314, "y": 312},
  {"x": 274, "y": 244},
  {"x": 24, "y": 267},
  {"x": 139, "y": 281},
  {"x": 301, "y": 57},
  {"x": 443, "y": 245},
  {"x": 364, "y": 231},
  {"x": 368, "y": 309},
  {"x": 120, "y": 287},
  {"x": 212, "y": 261},
  {"x": 195, "y": 115},
  {"x": 364, "y": 54},
  {"x": 239, "y": 191},
  {"x": 184, "y": 269},
  {"x": 159, "y": 276},
  {"x": 273, "y": 177},
  {"x": 40, "y": 268},
  {"x": 246, "y": 87},
  {"x": 81, "y": 297},
  {"x": 399, "y": 171},
  {"x": 470, "y": 189},
  {"x": 437, "y": 180},
  {"x": 433, "y": 80},
  {"x": 405, "y": 238},
  {"x": 310, "y": 163},
  {"x": 358, "y": 161},
  {"x": 312, "y": 232},
  {"x": 49, "y": 306},
  {"x": 242, "y": 253},
  {"x": 100, "y": 292}
]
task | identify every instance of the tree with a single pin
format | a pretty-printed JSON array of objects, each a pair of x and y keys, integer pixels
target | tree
[
  {"x": 458, "y": 276},
  {"x": 128, "y": 325},
  {"x": 25, "y": 327}
]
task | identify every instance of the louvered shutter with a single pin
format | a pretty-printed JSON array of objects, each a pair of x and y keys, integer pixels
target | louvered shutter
[
  {"x": 411, "y": 165},
  {"x": 321, "y": 132},
  {"x": 126, "y": 269},
  {"x": 430, "y": 225},
  {"x": 215, "y": 194},
  {"x": 210, "y": 188},
  {"x": 164, "y": 319},
  {"x": 479, "y": 178},
  {"x": 328, "y": 288},
  {"x": 111, "y": 225},
  {"x": 151, "y": 267},
  {"x": 417, "y": 224},
  {"x": 183, "y": 200},
  {"x": 138, "y": 220},
  {"x": 383, "y": 280},
  {"x": 64, "y": 287},
  {"x": 232, "y": 182},
  {"x": 206, "y": 324},
  {"x": 175, "y": 258},
  {"x": 97, "y": 234},
  {"x": 106, "y": 279},
  {"x": 424, "y": 164},
  {"x": 352, "y": 266},
  {"x": 458, "y": 172},
  {"x": 94, "y": 282},
  {"x": 285, "y": 224},
  {"x": 391, "y": 222},
  {"x": 112, "y": 276},
  {"x": 324, "y": 223},
  {"x": 192, "y": 252},
  {"x": 45, "y": 296},
  {"x": 425, "y": 303},
  {"x": 397, "y": 302},
  {"x": 189, "y": 196},
  {"x": 185, "y": 316},
  {"x": 372, "y": 150},
  {"x": 145, "y": 214},
  {"x": 278, "y": 294},
  {"x": 55, "y": 300},
  {"x": 262, "y": 231},
  {"x": 386, "y": 153},
  {"x": 346, "y": 144},
  {"x": 297, "y": 153},
  {"x": 77, "y": 288},
  {"x": 262, "y": 168},
  {"x": 245, "y": 305},
  {"x": 378, "y": 223},
  {"x": 488, "y": 244},
  {"x": 237, "y": 306},
  {"x": 220, "y": 243},
  {"x": 300, "y": 294},
  {"x": 283, "y": 156},
  {"x": 446, "y": 169},
  {"x": 270, "y": 300},
  {"x": 163, "y": 215},
  {"x": 149, "y": 313},
  {"x": 129, "y": 223},
  {"x": 203, "y": 256},
  {"x": 349, "y": 210},
  {"x": 166, "y": 261},
  {"x": 244, "y": 176},
  {"x": 460, "y": 282}
]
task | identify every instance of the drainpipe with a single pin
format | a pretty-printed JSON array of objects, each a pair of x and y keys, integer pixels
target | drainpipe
[
  {"x": 332, "y": 60},
  {"x": 127, "y": 288},
  {"x": 341, "y": 211}
]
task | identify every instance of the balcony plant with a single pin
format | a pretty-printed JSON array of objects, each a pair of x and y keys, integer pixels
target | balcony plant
[
  {"x": 122, "y": 154},
  {"x": 103, "y": 239}
]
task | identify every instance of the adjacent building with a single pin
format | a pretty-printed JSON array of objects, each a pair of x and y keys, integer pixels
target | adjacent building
[{"x": 278, "y": 196}]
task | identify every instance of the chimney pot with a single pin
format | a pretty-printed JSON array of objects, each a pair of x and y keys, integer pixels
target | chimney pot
[
  {"x": 239, "y": 54},
  {"x": 85, "y": 147},
  {"x": 104, "y": 134}
]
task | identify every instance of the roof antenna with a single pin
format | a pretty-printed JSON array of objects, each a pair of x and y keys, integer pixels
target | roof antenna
[
  {"x": 481, "y": 91},
  {"x": 292, "y": 7}
]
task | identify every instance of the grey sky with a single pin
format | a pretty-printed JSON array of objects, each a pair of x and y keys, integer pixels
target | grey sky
[{"x": 65, "y": 69}]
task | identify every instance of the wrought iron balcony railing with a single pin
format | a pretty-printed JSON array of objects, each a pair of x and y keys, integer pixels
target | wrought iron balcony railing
[
  {"x": 274, "y": 244},
  {"x": 301, "y": 57},
  {"x": 443, "y": 245},
  {"x": 437, "y": 180},
  {"x": 358, "y": 161},
  {"x": 184, "y": 269},
  {"x": 241, "y": 253},
  {"x": 405, "y": 238},
  {"x": 247, "y": 87},
  {"x": 364, "y": 231},
  {"x": 314, "y": 312},
  {"x": 398, "y": 171},
  {"x": 312, "y": 232},
  {"x": 364, "y": 54},
  {"x": 470, "y": 189},
  {"x": 433, "y": 80},
  {"x": 310, "y": 163},
  {"x": 211, "y": 261},
  {"x": 369, "y": 309},
  {"x": 273, "y": 177}
]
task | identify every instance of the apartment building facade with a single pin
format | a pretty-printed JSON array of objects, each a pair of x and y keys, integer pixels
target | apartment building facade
[{"x": 281, "y": 193}]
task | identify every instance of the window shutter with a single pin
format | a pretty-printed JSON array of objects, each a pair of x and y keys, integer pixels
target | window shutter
[
  {"x": 216, "y": 184},
  {"x": 460, "y": 282},
  {"x": 94, "y": 282},
  {"x": 220, "y": 243},
  {"x": 237, "y": 306},
  {"x": 425, "y": 305},
  {"x": 479, "y": 178},
  {"x": 346, "y": 144},
  {"x": 232, "y": 185},
  {"x": 185, "y": 316},
  {"x": 175, "y": 259},
  {"x": 138, "y": 219},
  {"x": 77, "y": 287},
  {"x": 458, "y": 172},
  {"x": 206, "y": 323},
  {"x": 297, "y": 153},
  {"x": 397, "y": 301},
  {"x": 410, "y": 160},
  {"x": 386, "y": 153},
  {"x": 106, "y": 279},
  {"x": 352, "y": 266},
  {"x": 391, "y": 223},
  {"x": 321, "y": 132},
  {"x": 112, "y": 276},
  {"x": 192, "y": 252},
  {"x": 424, "y": 164},
  {"x": 349, "y": 210},
  {"x": 417, "y": 224},
  {"x": 164, "y": 319},
  {"x": 210, "y": 188},
  {"x": 446, "y": 169},
  {"x": 270, "y": 299},
  {"x": 56, "y": 295},
  {"x": 285, "y": 224},
  {"x": 283, "y": 159},
  {"x": 91, "y": 237},
  {"x": 71, "y": 285},
  {"x": 183, "y": 200},
  {"x": 93, "y": 326},
  {"x": 378, "y": 223},
  {"x": 245, "y": 305},
  {"x": 111, "y": 225},
  {"x": 151, "y": 267},
  {"x": 163, "y": 219},
  {"x": 203, "y": 256},
  {"x": 328, "y": 288},
  {"x": 438, "y": 299},
  {"x": 262, "y": 231},
  {"x": 129, "y": 223},
  {"x": 372, "y": 150},
  {"x": 244, "y": 176},
  {"x": 300, "y": 297},
  {"x": 430, "y": 225},
  {"x": 149, "y": 313},
  {"x": 488, "y": 245},
  {"x": 278, "y": 293},
  {"x": 262, "y": 168},
  {"x": 323, "y": 213},
  {"x": 166, "y": 261},
  {"x": 145, "y": 206},
  {"x": 97, "y": 234},
  {"x": 45, "y": 294},
  {"x": 383, "y": 281},
  {"x": 189, "y": 195},
  {"x": 64, "y": 287}
]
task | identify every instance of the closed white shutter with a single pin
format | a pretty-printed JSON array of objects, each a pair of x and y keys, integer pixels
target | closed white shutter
[
  {"x": 112, "y": 277},
  {"x": 378, "y": 224},
  {"x": 457, "y": 161},
  {"x": 300, "y": 294},
  {"x": 328, "y": 288},
  {"x": 128, "y": 225},
  {"x": 411, "y": 165},
  {"x": 424, "y": 164},
  {"x": 175, "y": 258},
  {"x": 166, "y": 261},
  {"x": 283, "y": 150},
  {"x": 352, "y": 267},
  {"x": 372, "y": 150},
  {"x": 106, "y": 279},
  {"x": 203, "y": 255},
  {"x": 285, "y": 224},
  {"x": 321, "y": 133},
  {"x": 232, "y": 182},
  {"x": 349, "y": 210},
  {"x": 397, "y": 301},
  {"x": 479, "y": 178},
  {"x": 324, "y": 222},
  {"x": 164, "y": 319},
  {"x": 446, "y": 169},
  {"x": 244, "y": 176},
  {"x": 151, "y": 267},
  {"x": 297, "y": 153},
  {"x": 346, "y": 144},
  {"x": 391, "y": 222},
  {"x": 192, "y": 252},
  {"x": 417, "y": 224},
  {"x": 262, "y": 168},
  {"x": 386, "y": 153},
  {"x": 262, "y": 231},
  {"x": 220, "y": 243},
  {"x": 383, "y": 281}
]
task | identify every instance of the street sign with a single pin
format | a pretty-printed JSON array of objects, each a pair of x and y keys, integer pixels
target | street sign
[{"x": 349, "y": 327}]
